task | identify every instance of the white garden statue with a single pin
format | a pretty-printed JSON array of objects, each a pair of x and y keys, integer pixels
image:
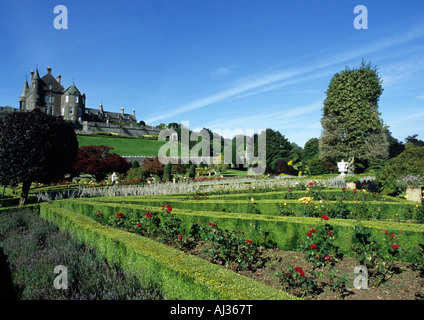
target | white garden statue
[
  {"x": 114, "y": 177},
  {"x": 342, "y": 167}
]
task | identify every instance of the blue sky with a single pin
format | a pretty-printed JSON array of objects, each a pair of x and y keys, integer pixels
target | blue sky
[{"x": 219, "y": 64}]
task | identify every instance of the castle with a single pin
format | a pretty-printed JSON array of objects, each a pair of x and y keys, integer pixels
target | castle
[{"x": 49, "y": 95}]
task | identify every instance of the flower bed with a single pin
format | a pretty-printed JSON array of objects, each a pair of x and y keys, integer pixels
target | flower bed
[
  {"x": 34, "y": 248},
  {"x": 320, "y": 266},
  {"x": 178, "y": 275}
]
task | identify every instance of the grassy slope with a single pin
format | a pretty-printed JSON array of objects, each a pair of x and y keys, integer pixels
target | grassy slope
[{"x": 123, "y": 146}]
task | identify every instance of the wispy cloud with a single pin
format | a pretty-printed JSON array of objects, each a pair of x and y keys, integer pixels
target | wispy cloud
[
  {"x": 261, "y": 119},
  {"x": 271, "y": 81},
  {"x": 407, "y": 120},
  {"x": 221, "y": 71},
  {"x": 398, "y": 71},
  {"x": 421, "y": 97}
]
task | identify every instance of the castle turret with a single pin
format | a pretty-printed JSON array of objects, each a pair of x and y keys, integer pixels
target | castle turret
[
  {"x": 22, "y": 97},
  {"x": 34, "y": 90},
  {"x": 122, "y": 111}
]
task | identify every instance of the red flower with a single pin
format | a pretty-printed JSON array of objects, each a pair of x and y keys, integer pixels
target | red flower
[
  {"x": 343, "y": 189},
  {"x": 327, "y": 258},
  {"x": 148, "y": 215},
  {"x": 197, "y": 196},
  {"x": 290, "y": 191},
  {"x": 169, "y": 209},
  {"x": 392, "y": 235},
  {"x": 395, "y": 246},
  {"x": 210, "y": 224},
  {"x": 300, "y": 271},
  {"x": 309, "y": 234},
  {"x": 98, "y": 211},
  {"x": 330, "y": 233},
  {"x": 313, "y": 246},
  {"x": 138, "y": 224},
  {"x": 386, "y": 233},
  {"x": 324, "y": 217},
  {"x": 248, "y": 241},
  {"x": 119, "y": 215},
  {"x": 313, "y": 231},
  {"x": 179, "y": 237}
]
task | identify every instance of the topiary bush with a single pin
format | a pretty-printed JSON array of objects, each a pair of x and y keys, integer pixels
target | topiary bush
[
  {"x": 192, "y": 171},
  {"x": 167, "y": 172}
]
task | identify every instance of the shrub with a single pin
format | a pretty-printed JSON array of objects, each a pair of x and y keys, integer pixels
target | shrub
[
  {"x": 409, "y": 162},
  {"x": 319, "y": 245},
  {"x": 178, "y": 169},
  {"x": 34, "y": 247},
  {"x": 98, "y": 161},
  {"x": 153, "y": 166},
  {"x": 167, "y": 172},
  {"x": 135, "y": 164},
  {"x": 192, "y": 171},
  {"x": 315, "y": 166},
  {"x": 279, "y": 166},
  {"x": 295, "y": 281},
  {"x": 135, "y": 173}
]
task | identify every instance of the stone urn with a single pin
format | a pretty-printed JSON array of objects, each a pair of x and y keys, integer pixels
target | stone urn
[
  {"x": 342, "y": 166},
  {"x": 415, "y": 193}
]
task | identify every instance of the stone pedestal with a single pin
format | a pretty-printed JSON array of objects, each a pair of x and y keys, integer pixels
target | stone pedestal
[{"x": 415, "y": 193}]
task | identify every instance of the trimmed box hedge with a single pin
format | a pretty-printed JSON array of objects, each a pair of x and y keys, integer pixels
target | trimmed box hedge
[
  {"x": 285, "y": 232},
  {"x": 381, "y": 209},
  {"x": 178, "y": 275}
]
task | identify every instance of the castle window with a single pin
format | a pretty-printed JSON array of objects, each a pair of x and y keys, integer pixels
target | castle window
[
  {"x": 66, "y": 98},
  {"x": 76, "y": 99},
  {"x": 63, "y": 111},
  {"x": 49, "y": 99},
  {"x": 71, "y": 110}
]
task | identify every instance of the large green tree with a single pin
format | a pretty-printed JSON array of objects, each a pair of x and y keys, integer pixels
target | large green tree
[
  {"x": 35, "y": 146},
  {"x": 311, "y": 149},
  {"x": 351, "y": 122},
  {"x": 277, "y": 146}
]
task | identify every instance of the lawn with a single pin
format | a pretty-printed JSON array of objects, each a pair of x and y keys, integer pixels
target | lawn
[
  {"x": 124, "y": 146},
  {"x": 234, "y": 173}
]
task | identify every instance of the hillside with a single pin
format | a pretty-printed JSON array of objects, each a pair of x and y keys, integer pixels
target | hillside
[{"x": 124, "y": 146}]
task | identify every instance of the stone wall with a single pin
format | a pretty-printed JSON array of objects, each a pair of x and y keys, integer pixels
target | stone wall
[{"x": 129, "y": 130}]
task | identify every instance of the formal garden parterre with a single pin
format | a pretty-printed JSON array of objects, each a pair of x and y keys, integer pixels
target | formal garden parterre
[{"x": 325, "y": 230}]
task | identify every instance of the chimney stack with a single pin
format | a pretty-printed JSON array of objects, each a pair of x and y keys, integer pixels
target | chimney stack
[
  {"x": 49, "y": 70},
  {"x": 101, "y": 108},
  {"x": 133, "y": 112},
  {"x": 59, "y": 78},
  {"x": 32, "y": 74},
  {"x": 122, "y": 111}
]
